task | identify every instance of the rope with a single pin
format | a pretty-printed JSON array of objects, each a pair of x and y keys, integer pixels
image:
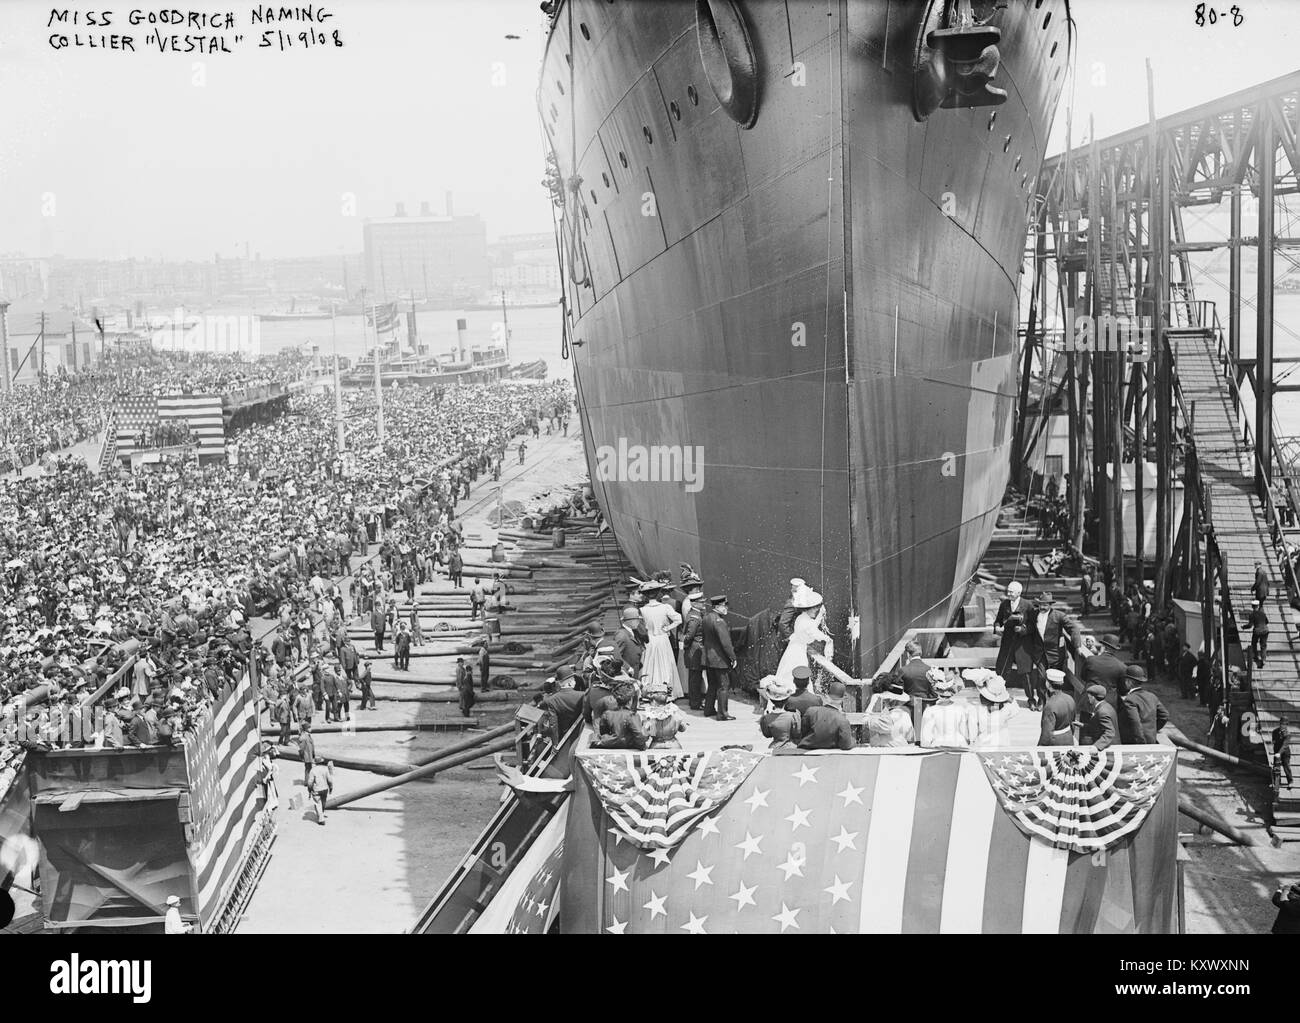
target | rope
[{"x": 826, "y": 310}]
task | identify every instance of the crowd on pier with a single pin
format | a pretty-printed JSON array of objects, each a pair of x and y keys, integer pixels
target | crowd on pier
[
  {"x": 62, "y": 409},
  {"x": 173, "y": 563}
]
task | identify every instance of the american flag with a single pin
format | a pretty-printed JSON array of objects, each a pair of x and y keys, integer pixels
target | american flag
[
  {"x": 202, "y": 413},
  {"x": 222, "y": 764},
  {"x": 864, "y": 842},
  {"x": 382, "y": 317},
  {"x": 655, "y": 798},
  {"x": 1078, "y": 798}
]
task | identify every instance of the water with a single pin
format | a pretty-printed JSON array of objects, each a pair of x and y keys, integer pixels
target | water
[{"x": 534, "y": 334}]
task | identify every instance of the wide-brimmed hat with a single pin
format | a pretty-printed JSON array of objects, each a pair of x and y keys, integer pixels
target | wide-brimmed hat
[
  {"x": 805, "y": 599},
  {"x": 993, "y": 689},
  {"x": 777, "y": 688}
]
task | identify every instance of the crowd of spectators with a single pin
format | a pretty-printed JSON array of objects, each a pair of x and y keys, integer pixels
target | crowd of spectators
[
  {"x": 62, "y": 409},
  {"x": 179, "y": 557}
]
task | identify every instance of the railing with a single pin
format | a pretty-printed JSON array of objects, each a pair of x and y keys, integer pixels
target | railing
[{"x": 1206, "y": 317}]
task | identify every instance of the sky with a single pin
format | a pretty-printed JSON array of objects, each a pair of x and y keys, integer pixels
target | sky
[{"x": 111, "y": 154}]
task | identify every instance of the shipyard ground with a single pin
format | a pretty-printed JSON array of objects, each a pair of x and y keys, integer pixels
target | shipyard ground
[{"x": 376, "y": 863}]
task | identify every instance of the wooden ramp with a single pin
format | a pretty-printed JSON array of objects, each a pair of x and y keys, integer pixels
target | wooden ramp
[{"x": 1241, "y": 527}]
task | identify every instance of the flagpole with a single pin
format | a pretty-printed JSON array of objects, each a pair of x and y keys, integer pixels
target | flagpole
[
  {"x": 338, "y": 391},
  {"x": 379, "y": 389}
]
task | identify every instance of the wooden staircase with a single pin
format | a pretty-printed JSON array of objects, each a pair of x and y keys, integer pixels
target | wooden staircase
[{"x": 1242, "y": 531}]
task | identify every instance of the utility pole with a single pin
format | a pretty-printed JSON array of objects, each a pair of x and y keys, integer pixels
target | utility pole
[
  {"x": 379, "y": 388},
  {"x": 338, "y": 391},
  {"x": 4, "y": 344},
  {"x": 505, "y": 323},
  {"x": 42, "y": 348}
]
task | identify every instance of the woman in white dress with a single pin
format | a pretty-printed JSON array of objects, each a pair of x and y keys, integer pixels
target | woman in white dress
[
  {"x": 990, "y": 718},
  {"x": 805, "y": 632},
  {"x": 659, "y": 664},
  {"x": 946, "y": 724}
]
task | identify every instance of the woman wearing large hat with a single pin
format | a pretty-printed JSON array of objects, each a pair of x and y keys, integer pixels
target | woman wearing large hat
[
  {"x": 990, "y": 719},
  {"x": 945, "y": 724},
  {"x": 660, "y": 664},
  {"x": 889, "y": 717},
  {"x": 805, "y": 632}
]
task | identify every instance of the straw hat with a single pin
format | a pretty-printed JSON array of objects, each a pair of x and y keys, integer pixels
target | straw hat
[
  {"x": 806, "y": 599},
  {"x": 994, "y": 689},
  {"x": 777, "y": 689}
]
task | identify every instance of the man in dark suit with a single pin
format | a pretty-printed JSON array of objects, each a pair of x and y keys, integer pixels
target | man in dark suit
[
  {"x": 378, "y": 622},
  {"x": 826, "y": 726},
  {"x": 1141, "y": 714},
  {"x": 464, "y": 686},
  {"x": 916, "y": 682},
  {"x": 566, "y": 702},
  {"x": 719, "y": 658},
  {"x": 693, "y": 647},
  {"x": 1101, "y": 725},
  {"x": 802, "y": 699},
  {"x": 1104, "y": 668},
  {"x": 402, "y": 649},
  {"x": 1260, "y": 586},
  {"x": 1046, "y": 627},
  {"x": 1282, "y": 747},
  {"x": 1009, "y": 623},
  {"x": 785, "y": 620},
  {"x": 1257, "y": 622},
  {"x": 628, "y": 646},
  {"x": 1059, "y": 712}
]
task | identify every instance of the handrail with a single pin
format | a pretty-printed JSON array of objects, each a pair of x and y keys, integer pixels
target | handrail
[{"x": 1228, "y": 368}]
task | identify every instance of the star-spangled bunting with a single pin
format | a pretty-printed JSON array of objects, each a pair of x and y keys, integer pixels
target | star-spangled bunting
[
  {"x": 889, "y": 843},
  {"x": 655, "y": 798},
  {"x": 1078, "y": 798},
  {"x": 540, "y": 902}
]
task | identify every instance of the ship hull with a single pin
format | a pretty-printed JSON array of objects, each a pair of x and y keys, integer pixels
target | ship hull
[{"x": 821, "y": 307}]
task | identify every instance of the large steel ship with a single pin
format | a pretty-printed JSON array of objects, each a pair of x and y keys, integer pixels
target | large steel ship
[{"x": 792, "y": 234}]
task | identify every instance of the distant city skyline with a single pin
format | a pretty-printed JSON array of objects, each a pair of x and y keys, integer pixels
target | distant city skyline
[{"x": 112, "y": 155}]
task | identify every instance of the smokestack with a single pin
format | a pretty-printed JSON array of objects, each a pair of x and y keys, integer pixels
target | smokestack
[
  {"x": 424, "y": 210},
  {"x": 461, "y": 330},
  {"x": 450, "y": 209},
  {"x": 401, "y": 210}
]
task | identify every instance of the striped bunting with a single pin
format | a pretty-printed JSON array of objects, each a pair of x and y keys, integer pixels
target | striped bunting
[
  {"x": 1078, "y": 798},
  {"x": 889, "y": 842},
  {"x": 222, "y": 765},
  {"x": 655, "y": 797}
]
